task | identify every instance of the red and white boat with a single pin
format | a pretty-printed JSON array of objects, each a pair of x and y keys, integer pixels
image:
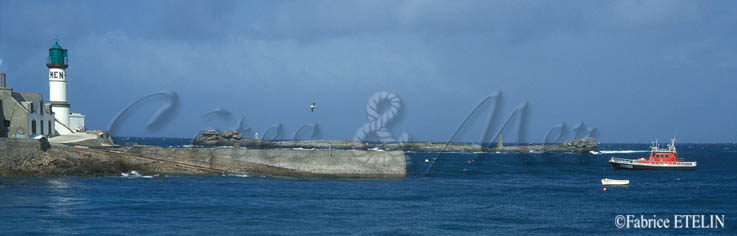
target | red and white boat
[{"x": 659, "y": 159}]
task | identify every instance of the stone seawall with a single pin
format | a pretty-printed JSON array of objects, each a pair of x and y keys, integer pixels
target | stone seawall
[
  {"x": 24, "y": 157},
  {"x": 288, "y": 163}
]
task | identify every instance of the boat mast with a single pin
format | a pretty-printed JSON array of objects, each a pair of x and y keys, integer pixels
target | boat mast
[
  {"x": 656, "y": 145},
  {"x": 672, "y": 145}
]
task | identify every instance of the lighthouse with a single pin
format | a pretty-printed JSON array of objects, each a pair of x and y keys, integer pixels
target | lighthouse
[{"x": 57, "y": 64}]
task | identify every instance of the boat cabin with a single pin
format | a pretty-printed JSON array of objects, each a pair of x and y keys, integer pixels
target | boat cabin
[{"x": 661, "y": 155}]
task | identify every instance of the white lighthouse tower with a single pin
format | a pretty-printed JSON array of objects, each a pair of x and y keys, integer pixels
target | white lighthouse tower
[{"x": 57, "y": 64}]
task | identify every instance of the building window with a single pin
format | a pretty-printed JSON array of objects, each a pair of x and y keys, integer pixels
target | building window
[
  {"x": 50, "y": 129},
  {"x": 42, "y": 126},
  {"x": 33, "y": 127}
]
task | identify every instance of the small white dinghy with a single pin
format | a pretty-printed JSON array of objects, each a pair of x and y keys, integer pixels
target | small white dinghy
[{"x": 606, "y": 181}]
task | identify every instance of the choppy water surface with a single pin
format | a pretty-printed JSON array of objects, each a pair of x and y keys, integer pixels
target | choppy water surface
[{"x": 493, "y": 194}]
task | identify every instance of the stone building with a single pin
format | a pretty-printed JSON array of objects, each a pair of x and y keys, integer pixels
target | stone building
[{"x": 24, "y": 115}]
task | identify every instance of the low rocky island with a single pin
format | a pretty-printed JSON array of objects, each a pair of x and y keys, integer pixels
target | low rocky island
[{"x": 211, "y": 138}]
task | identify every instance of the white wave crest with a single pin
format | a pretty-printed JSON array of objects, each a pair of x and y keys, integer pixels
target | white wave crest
[
  {"x": 135, "y": 174},
  {"x": 235, "y": 175},
  {"x": 617, "y": 151}
]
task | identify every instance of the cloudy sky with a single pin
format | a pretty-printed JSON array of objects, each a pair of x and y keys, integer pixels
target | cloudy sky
[{"x": 634, "y": 70}]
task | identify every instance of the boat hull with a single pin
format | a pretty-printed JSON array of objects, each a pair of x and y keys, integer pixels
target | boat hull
[
  {"x": 614, "y": 182},
  {"x": 636, "y": 166}
]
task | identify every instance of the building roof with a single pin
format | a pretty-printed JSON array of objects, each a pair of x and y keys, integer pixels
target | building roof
[
  {"x": 30, "y": 97},
  {"x": 34, "y": 98}
]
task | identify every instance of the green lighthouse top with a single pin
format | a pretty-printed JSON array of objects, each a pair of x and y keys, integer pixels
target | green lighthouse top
[{"x": 57, "y": 56}]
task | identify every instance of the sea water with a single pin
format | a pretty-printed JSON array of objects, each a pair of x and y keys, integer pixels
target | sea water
[{"x": 464, "y": 194}]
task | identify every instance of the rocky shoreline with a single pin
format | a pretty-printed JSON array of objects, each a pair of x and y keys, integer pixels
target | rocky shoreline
[
  {"x": 29, "y": 157},
  {"x": 230, "y": 153},
  {"x": 211, "y": 138}
]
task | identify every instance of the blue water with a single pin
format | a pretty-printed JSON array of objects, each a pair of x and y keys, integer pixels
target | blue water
[{"x": 494, "y": 194}]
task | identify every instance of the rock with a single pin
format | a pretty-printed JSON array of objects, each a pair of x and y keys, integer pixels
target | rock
[
  {"x": 584, "y": 143},
  {"x": 209, "y": 132},
  {"x": 209, "y": 143},
  {"x": 231, "y": 134},
  {"x": 44, "y": 144},
  {"x": 208, "y": 136}
]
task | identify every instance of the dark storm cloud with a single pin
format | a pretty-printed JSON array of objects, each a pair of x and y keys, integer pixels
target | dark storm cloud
[{"x": 597, "y": 62}]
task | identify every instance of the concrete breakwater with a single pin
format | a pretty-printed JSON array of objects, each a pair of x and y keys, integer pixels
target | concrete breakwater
[
  {"x": 211, "y": 138},
  {"x": 25, "y": 157}
]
